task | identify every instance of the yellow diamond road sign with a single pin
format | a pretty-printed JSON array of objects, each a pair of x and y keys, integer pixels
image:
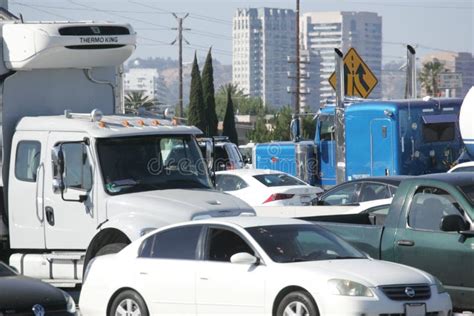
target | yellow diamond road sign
[{"x": 359, "y": 80}]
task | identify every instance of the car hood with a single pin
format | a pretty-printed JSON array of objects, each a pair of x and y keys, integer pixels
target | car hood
[
  {"x": 19, "y": 294},
  {"x": 369, "y": 272},
  {"x": 176, "y": 205}
]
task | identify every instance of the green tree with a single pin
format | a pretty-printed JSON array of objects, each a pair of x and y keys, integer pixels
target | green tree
[
  {"x": 208, "y": 95},
  {"x": 429, "y": 76},
  {"x": 244, "y": 105},
  {"x": 282, "y": 124},
  {"x": 260, "y": 134},
  {"x": 196, "y": 112},
  {"x": 229, "y": 129},
  {"x": 136, "y": 99}
]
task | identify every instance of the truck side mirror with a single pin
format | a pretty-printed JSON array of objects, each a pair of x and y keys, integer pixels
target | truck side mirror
[
  {"x": 453, "y": 223},
  {"x": 57, "y": 158}
]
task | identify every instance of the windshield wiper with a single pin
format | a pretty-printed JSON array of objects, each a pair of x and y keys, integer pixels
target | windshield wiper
[
  {"x": 188, "y": 183},
  {"x": 348, "y": 257}
]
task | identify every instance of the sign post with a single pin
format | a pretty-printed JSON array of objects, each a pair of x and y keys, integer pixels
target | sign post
[
  {"x": 339, "y": 122},
  {"x": 359, "y": 80}
]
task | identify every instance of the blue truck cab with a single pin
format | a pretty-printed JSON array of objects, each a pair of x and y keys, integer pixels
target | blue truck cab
[{"x": 406, "y": 137}]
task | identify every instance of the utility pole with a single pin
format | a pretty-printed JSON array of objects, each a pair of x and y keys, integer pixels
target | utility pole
[
  {"x": 180, "y": 39},
  {"x": 298, "y": 74}
]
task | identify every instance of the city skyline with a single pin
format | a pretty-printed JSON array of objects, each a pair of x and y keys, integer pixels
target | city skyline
[{"x": 211, "y": 22}]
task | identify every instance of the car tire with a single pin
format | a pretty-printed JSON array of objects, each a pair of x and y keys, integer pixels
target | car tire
[
  {"x": 128, "y": 303},
  {"x": 297, "y": 303},
  {"x": 110, "y": 249}
]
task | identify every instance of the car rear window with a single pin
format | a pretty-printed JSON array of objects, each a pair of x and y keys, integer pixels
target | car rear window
[
  {"x": 464, "y": 169},
  {"x": 278, "y": 180},
  {"x": 5, "y": 271}
]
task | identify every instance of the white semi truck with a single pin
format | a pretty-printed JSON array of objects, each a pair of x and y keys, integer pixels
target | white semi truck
[{"x": 78, "y": 182}]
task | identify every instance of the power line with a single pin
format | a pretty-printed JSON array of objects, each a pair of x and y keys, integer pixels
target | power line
[{"x": 180, "y": 40}]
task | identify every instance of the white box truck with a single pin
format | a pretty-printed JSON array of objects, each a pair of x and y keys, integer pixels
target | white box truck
[{"x": 84, "y": 182}]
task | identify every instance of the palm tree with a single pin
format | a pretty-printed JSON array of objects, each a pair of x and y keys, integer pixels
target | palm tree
[
  {"x": 429, "y": 76},
  {"x": 136, "y": 99}
]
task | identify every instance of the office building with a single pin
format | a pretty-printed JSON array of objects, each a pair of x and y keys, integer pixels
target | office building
[
  {"x": 148, "y": 81},
  {"x": 263, "y": 39}
]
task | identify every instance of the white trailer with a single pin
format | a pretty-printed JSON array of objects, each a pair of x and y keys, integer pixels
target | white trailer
[{"x": 78, "y": 182}]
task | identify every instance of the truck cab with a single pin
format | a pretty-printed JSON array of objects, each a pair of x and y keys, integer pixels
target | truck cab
[{"x": 405, "y": 137}]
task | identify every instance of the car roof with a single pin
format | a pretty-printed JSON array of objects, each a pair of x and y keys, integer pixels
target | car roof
[
  {"x": 251, "y": 221},
  {"x": 455, "y": 179},
  {"x": 249, "y": 172},
  {"x": 393, "y": 180}
]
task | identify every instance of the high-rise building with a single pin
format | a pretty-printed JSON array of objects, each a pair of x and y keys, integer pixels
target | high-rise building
[
  {"x": 322, "y": 32},
  {"x": 263, "y": 39},
  {"x": 462, "y": 63},
  {"x": 148, "y": 81}
]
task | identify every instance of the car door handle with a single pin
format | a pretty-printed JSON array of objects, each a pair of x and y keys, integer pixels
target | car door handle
[
  {"x": 406, "y": 243},
  {"x": 49, "y": 215}
]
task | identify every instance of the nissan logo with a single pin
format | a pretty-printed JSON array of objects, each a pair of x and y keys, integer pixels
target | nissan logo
[
  {"x": 38, "y": 310},
  {"x": 410, "y": 292}
]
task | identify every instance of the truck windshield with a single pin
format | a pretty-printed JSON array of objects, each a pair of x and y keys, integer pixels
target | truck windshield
[
  {"x": 302, "y": 242},
  {"x": 153, "y": 162}
]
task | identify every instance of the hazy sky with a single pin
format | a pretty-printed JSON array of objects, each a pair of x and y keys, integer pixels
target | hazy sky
[{"x": 432, "y": 25}]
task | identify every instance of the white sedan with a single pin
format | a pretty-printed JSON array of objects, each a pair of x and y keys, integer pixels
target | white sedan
[
  {"x": 266, "y": 187},
  {"x": 254, "y": 266}
]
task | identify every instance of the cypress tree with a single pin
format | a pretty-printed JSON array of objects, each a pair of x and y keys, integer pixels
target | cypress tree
[
  {"x": 229, "y": 120},
  {"x": 208, "y": 94},
  {"x": 196, "y": 113}
]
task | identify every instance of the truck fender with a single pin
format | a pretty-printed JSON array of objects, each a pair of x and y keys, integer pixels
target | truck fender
[{"x": 121, "y": 229}]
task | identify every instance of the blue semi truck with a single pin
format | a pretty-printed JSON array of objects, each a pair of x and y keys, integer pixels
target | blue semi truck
[{"x": 406, "y": 137}]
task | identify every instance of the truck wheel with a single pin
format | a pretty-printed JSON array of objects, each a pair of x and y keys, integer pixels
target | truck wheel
[
  {"x": 128, "y": 303},
  {"x": 110, "y": 249},
  {"x": 298, "y": 303}
]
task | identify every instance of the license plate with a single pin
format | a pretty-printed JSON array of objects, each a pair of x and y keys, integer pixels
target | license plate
[{"x": 415, "y": 309}]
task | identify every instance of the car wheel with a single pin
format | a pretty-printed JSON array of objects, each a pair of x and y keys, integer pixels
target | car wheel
[
  {"x": 128, "y": 303},
  {"x": 110, "y": 248},
  {"x": 297, "y": 303}
]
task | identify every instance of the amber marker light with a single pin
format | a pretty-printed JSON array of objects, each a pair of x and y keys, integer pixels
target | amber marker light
[
  {"x": 140, "y": 123},
  {"x": 155, "y": 122},
  {"x": 125, "y": 123},
  {"x": 102, "y": 124}
]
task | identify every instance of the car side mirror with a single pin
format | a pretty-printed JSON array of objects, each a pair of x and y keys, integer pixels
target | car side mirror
[
  {"x": 244, "y": 258},
  {"x": 453, "y": 223}
]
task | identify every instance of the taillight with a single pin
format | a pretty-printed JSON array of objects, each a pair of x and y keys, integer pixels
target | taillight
[{"x": 278, "y": 196}]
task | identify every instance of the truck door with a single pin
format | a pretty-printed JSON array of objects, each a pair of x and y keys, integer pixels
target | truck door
[
  {"x": 70, "y": 224},
  {"x": 423, "y": 245},
  {"x": 25, "y": 190},
  {"x": 381, "y": 147}
]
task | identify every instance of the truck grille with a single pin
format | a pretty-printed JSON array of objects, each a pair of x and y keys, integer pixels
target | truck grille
[
  {"x": 93, "y": 30},
  {"x": 407, "y": 292}
]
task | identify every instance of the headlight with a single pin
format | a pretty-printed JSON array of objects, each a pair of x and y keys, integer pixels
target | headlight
[
  {"x": 439, "y": 286},
  {"x": 70, "y": 304},
  {"x": 349, "y": 288}
]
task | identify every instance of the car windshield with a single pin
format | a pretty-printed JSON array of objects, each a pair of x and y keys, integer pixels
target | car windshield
[
  {"x": 464, "y": 169},
  {"x": 5, "y": 271},
  {"x": 154, "y": 162},
  {"x": 278, "y": 180},
  {"x": 302, "y": 242}
]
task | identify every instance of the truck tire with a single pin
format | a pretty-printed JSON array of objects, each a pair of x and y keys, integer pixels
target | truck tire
[
  {"x": 110, "y": 249},
  {"x": 128, "y": 303},
  {"x": 297, "y": 303}
]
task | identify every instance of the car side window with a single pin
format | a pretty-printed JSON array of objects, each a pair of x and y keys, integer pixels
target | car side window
[
  {"x": 429, "y": 206},
  {"x": 176, "y": 243},
  {"x": 223, "y": 244},
  {"x": 374, "y": 191},
  {"x": 27, "y": 160},
  {"x": 346, "y": 194},
  {"x": 230, "y": 183},
  {"x": 78, "y": 171}
]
